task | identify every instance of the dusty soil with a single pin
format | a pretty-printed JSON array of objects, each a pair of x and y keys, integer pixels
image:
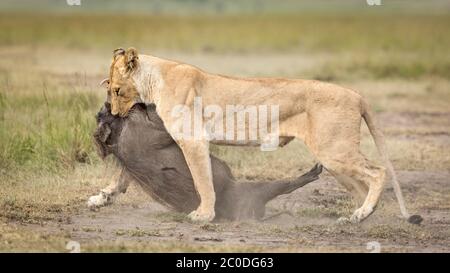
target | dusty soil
[{"x": 302, "y": 221}]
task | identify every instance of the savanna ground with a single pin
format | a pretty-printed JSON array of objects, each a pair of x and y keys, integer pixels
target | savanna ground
[{"x": 50, "y": 67}]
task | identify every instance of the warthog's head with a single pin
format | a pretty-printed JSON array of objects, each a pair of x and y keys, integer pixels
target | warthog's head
[
  {"x": 146, "y": 128},
  {"x": 108, "y": 131},
  {"x": 122, "y": 92}
]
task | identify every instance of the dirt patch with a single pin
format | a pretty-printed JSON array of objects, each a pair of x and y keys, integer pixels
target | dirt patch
[
  {"x": 302, "y": 221},
  {"x": 433, "y": 127}
]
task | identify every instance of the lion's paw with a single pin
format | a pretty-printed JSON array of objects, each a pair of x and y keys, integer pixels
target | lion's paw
[
  {"x": 361, "y": 214},
  {"x": 343, "y": 221},
  {"x": 201, "y": 216}
]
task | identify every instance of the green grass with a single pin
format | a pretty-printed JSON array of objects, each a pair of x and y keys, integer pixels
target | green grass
[{"x": 48, "y": 128}]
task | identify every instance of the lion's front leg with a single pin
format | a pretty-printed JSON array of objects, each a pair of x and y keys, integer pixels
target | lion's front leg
[
  {"x": 198, "y": 160},
  {"x": 108, "y": 194}
]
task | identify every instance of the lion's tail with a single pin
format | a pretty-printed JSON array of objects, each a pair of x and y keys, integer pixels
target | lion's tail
[{"x": 379, "y": 140}]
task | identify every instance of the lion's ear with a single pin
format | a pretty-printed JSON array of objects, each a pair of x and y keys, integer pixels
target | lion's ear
[
  {"x": 118, "y": 52},
  {"x": 131, "y": 58}
]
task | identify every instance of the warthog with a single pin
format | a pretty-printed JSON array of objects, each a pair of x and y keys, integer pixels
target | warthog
[{"x": 151, "y": 157}]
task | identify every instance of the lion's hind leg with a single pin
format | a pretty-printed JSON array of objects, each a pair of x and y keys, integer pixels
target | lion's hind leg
[
  {"x": 375, "y": 176},
  {"x": 363, "y": 179},
  {"x": 334, "y": 138}
]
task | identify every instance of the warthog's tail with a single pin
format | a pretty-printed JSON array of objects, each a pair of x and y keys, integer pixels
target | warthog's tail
[
  {"x": 380, "y": 142},
  {"x": 269, "y": 190}
]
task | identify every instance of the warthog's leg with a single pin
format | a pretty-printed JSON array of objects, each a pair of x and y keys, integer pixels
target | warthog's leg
[{"x": 108, "y": 194}]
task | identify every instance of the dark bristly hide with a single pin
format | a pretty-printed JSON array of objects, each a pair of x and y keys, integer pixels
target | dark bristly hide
[{"x": 151, "y": 157}]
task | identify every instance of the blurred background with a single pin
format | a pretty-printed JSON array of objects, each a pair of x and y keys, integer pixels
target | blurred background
[{"x": 53, "y": 55}]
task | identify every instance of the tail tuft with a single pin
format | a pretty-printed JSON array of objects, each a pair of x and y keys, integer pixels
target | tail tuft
[{"x": 415, "y": 219}]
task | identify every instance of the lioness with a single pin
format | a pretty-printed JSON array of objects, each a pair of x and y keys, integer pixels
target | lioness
[{"x": 325, "y": 116}]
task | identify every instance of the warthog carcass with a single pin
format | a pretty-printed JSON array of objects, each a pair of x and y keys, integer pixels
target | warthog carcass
[{"x": 151, "y": 157}]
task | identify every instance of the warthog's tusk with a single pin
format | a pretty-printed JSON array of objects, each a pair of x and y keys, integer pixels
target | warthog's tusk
[{"x": 104, "y": 81}]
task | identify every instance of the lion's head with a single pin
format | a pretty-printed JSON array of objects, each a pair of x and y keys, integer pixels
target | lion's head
[{"x": 122, "y": 92}]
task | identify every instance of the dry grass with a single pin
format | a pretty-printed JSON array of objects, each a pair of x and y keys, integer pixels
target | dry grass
[
  {"x": 49, "y": 94},
  {"x": 344, "y": 32}
]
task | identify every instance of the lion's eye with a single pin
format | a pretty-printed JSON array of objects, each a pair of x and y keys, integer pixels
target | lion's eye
[{"x": 117, "y": 90}]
